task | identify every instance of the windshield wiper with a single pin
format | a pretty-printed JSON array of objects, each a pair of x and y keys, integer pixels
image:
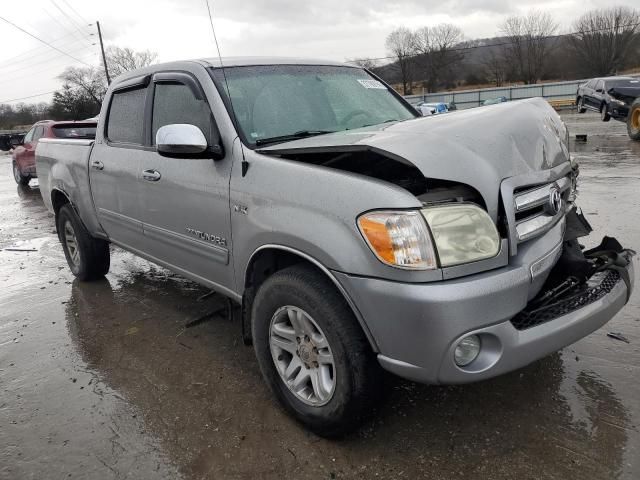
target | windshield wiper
[
  {"x": 379, "y": 123},
  {"x": 292, "y": 136}
]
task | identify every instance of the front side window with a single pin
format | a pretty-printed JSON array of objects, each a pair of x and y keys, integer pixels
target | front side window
[
  {"x": 271, "y": 101},
  {"x": 126, "y": 116},
  {"x": 176, "y": 103},
  {"x": 37, "y": 135}
]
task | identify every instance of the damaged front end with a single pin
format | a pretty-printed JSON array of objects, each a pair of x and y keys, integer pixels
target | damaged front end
[{"x": 580, "y": 277}]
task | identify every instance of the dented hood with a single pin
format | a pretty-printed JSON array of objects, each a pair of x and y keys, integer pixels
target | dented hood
[{"x": 479, "y": 147}]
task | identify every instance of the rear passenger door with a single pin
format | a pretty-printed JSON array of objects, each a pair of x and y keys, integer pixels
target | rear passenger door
[
  {"x": 598, "y": 95},
  {"x": 115, "y": 165},
  {"x": 590, "y": 92},
  {"x": 186, "y": 217}
]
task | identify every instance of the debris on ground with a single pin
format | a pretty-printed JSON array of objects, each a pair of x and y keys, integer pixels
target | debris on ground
[{"x": 618, "y": 336}]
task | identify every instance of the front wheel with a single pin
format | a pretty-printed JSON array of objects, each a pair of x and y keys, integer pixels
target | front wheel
[
  {"x": 604, "y": 113},
  {"x": 581, "y": 107},
  {"x": 312, "y": 352},
  {"x": 633, "y": 121},
  {"x": 18, "y": 177},
  {"x": 88, "y": 257}
]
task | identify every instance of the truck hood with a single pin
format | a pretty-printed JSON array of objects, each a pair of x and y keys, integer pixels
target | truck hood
[{"x": 479, "y": 147}]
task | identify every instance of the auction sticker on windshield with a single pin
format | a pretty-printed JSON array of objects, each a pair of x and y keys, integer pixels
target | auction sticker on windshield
[{"x": 372, "y": 84}]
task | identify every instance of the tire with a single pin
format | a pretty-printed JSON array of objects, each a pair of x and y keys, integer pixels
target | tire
[
  {"x": 88, "y": 257},
  {"x": 580, "y": 105},
  {"x": 604, "y": 113},
  {"x": 17, "y": 175},
  {"x": 349, "y": 382},
  {"x": 633, "y": 121}
]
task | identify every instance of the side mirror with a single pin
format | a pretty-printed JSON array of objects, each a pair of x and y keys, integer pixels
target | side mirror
[
  {"x": 600, "y": 90},
  {"x": 180, "y": 138}
]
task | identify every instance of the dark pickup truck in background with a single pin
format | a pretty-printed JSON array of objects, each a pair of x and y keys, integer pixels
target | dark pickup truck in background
[{"x": 9, "y": 137}]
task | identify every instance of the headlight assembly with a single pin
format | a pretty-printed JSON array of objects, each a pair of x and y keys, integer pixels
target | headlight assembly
[
  {"x": 400, "y": 239},
  {"x": 462, "y": 233}
]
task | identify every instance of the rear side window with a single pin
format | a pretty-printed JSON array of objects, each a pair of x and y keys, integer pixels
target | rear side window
[
  {"x": 176, "y": 103},
  {"x": 126, "y": 116},
  {"x": 85, "y": 132}
]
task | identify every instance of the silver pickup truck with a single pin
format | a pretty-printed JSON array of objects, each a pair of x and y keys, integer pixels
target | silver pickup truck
[{"x": 351, "y": 232}]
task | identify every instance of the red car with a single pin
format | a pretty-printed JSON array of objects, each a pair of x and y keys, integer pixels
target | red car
[{"x": 24, "y": 154}]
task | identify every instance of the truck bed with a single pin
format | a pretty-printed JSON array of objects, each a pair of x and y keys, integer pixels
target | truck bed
[{"x": 63, "y": 168}]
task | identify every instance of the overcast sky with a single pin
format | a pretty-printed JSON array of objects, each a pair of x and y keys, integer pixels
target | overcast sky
[{"x": 332, "y": 29}]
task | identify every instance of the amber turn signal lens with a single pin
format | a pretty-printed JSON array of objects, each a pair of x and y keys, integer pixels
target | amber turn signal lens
[{"x": 400, "y": 239}]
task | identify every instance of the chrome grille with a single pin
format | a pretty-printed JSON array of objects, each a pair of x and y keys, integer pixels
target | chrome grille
[{"x": 540, "y": 208}]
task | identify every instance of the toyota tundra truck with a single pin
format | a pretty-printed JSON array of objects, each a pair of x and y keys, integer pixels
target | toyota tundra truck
[{"x": 350, "y": 232}]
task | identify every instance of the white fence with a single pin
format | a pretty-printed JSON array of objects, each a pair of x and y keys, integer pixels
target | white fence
[{"x": 474, "y": 98}]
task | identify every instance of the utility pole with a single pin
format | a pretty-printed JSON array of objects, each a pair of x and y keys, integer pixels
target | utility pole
[{"x": 104, "y": 58}]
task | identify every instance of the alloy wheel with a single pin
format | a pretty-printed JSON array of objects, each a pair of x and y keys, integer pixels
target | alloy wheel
[
  {"x": 302, "y": 355},
  {"x": 16, "y": 173},
  {"x": 71, "y": 243}
]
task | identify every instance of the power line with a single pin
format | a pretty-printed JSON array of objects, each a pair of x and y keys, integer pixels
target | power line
[
  {"x": 82, "y": 19},
  {"x": 22, "y": 54},
  {"x": 71, "y": 21},
  {"x": 25, "y": 98},
  {"x": 42, "y": 41},
  {"x": 65, "y": 27},
  {"x": 42, "y": 57},
  {"x": 8, "y": 73}
]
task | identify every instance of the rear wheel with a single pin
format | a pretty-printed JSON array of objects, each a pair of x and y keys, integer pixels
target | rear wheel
[
  {"x": 312, "y": 352},
  {"x": 88, "y": 257},
  {"x": 581, "y": 107},
  {"x": 633, "y": 121},
  {"x": 18, "y": 177},
  {"x": 604, "y": 113}
]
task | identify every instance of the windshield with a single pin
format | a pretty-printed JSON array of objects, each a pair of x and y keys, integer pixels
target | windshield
[
  {"x": 282, "y": 102},
  {"x": 623, "y": 83}
]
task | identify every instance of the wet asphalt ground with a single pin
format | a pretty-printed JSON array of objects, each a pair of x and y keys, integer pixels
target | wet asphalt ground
[{"x": 104, "y": 380}]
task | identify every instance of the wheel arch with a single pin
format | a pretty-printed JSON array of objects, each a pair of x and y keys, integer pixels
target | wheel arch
[
  {"x": 268, "y": 259},
  {"x": 58, "y": 199}
]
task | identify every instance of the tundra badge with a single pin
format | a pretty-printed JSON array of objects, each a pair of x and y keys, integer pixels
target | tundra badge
[{"x": 218, "y": 240}]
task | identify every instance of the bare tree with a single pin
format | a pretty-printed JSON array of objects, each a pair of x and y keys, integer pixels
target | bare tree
[
  {"x": 368, "y": 63},
  {"x": 531, "y": 38},
  {"x": 435, "y": 49},
  {"x": 122, "y": 60},
  {"x": 603, "y": 39},
  {"x": 495, "y": 65},
  {"x": 84, "y": 88},
  {"x": 90, "y": 81},
  {"x": 400, "y": 43}
]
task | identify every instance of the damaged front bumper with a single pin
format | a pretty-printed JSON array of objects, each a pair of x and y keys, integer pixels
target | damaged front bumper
[{"x": 417, "y": 326}]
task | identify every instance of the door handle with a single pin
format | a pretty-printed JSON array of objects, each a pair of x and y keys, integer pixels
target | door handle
[
  {"x": 97, "y": 164},
  {"x": 151, "y": 175}
]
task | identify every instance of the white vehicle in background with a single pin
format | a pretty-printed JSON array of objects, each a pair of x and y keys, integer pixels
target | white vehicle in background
[{"x": 427, "y": 109}]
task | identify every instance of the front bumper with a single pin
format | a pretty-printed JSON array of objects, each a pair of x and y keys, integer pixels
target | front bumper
[{"x": 417, "y": 326}]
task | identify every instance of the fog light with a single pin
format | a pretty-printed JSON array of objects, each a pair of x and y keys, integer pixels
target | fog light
[{"x": 467, "y": 350}]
